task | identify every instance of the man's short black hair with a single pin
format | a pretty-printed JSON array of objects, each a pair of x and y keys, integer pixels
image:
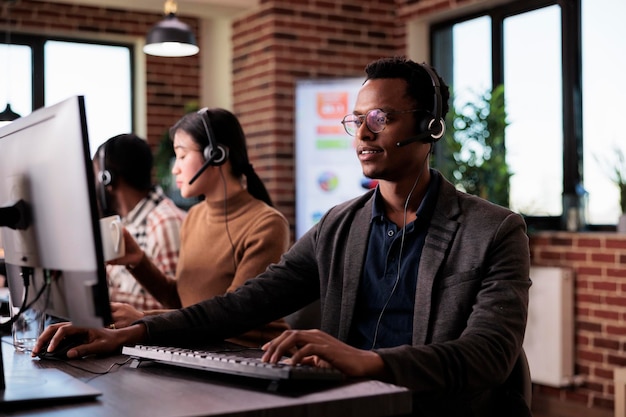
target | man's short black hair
[{"x": 419, "y": 83}]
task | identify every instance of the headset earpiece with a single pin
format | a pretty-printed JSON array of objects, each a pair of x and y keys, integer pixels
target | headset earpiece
[
  {"x": 433, "y": 122},
  {"x": 220, "y": 155},
  {"x": 104, "y": 179},
  {"x": 426, "y": 125},
  {"x": 104, "y": 175},
  {"x": 216, "y": 153},
  {"x": 430, "y": 124},
  {"x": 437, "y": 129}
]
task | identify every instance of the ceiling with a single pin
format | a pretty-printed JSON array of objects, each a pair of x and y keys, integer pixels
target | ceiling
[{"x": 200, "y": 8}]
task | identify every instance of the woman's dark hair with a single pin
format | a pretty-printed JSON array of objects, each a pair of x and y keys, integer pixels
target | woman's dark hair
[
  {"x": 228, "y": 132},
  {"x": 128, "y": 157}
]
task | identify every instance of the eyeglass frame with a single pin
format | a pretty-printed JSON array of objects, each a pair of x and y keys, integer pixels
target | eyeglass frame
[{"x": 362, "y": 117}]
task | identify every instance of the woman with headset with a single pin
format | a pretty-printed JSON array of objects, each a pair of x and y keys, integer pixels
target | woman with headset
[{"x": 229, "y": 237}]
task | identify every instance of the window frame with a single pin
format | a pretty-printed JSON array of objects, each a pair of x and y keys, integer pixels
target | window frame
[
  {"x": 37, "y": 44},
  {"x": 571, "y": 38}
]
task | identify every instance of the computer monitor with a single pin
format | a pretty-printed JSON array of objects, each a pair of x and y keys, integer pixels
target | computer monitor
[{"x": 49, "y": 214}]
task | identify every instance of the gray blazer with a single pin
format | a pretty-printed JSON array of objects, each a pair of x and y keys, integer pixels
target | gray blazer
[{"x": 470, "y": 305}]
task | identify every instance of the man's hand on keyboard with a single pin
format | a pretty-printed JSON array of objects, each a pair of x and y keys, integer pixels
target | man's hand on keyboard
[{"x": 317, "y": 348}]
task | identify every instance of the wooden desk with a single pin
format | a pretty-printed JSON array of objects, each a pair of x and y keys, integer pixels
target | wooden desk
[{"x": 160, "y": 391}]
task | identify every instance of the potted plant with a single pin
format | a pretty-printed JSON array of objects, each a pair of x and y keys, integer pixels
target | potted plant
[
  {"x": 619, "y": 178},
  {"x": 473, "y": 154},
  {"x": 164, "y": 160},
  {"x": 617, "y": 174}
]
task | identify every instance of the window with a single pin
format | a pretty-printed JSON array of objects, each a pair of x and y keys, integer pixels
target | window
[
  {"x": 45, "y": 71},
  {"x": 562, "y": 98},
  {"x": 472, "y": 58},
  {"x": 603, "y": 87},
  {"x": 102, "y": 75},
  {"x": 533, "y": 99},
  {"x": 15, "y": 75}
]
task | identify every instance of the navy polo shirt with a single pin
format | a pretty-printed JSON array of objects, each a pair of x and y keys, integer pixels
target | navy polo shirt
[{"x": 383, "y": 315}]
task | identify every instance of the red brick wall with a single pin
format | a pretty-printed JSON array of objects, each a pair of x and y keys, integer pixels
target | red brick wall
[
  {"x": 599, "y": 264},
  {"x": 285, "y": 40}
]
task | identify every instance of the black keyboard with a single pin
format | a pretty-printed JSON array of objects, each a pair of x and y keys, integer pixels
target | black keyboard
[{"x": 240, "y": 361}]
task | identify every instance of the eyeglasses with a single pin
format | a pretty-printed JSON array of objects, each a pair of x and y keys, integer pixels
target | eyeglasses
[{"x": 375, "y": 120}]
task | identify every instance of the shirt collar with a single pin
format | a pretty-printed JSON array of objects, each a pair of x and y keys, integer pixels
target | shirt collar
[
  {"x": 145, "y": 206},
  {"x": 427, "y": 206}
]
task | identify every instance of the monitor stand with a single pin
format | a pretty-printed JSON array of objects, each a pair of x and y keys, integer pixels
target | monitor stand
[
  {"x": 20, "y": 388},
  {"x": 33, "y": 386}
]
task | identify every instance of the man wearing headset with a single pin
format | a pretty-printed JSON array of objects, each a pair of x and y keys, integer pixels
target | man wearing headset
[
  {"x": 123, "y": 166},
  {"x": 420, "y": 284}
]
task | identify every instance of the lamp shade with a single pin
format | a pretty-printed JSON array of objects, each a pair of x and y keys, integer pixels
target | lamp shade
[
  {"x": 171, "y": 37},
  {"x": 8, "y": 115}
]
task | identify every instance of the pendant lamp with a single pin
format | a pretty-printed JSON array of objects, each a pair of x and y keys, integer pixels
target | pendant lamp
[
  {"x": 171, "y": 37},
  {"x": 8, "y": 115}
]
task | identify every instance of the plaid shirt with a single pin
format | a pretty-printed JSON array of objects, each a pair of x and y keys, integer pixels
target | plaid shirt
[{"x": 155, "y": 224}]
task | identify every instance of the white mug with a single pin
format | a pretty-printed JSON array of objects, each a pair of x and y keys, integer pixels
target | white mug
[{"x": 112, "y": 237}]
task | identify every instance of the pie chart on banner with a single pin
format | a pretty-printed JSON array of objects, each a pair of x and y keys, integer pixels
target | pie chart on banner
[{"x": 328, "y": 181}]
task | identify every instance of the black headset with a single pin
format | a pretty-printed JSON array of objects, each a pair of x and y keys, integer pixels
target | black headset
[
  {"x": 430, "y": 123},
  {"x": 215, "y": 153},
  {"x": 105, "y": 178},
  {"x": 104, "y": 175},
  {"x": 433, "y": 122}
]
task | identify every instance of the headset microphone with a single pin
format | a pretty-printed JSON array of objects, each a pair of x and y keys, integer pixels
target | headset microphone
[
  {"x": 423, "y": 138},
  {"x": 214, "y": 153},
  {"x": 429, "y": 136},
  {"x": 206, "y": 164}
]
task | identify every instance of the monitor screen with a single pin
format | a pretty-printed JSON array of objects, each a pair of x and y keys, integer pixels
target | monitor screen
[{"x": 46, "y": 168}]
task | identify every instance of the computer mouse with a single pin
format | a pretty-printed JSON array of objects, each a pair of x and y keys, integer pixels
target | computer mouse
[{"x": 60, "y": 352}]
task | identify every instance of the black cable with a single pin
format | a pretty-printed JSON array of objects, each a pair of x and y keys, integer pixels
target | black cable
[
  {"x": 43, "y": 288},
  {"x": 80, "y": 368},
  {"x": 395, "y": 284},
  {"x": 25, "y": 272},
  {"x": 7, "y": 325},
  {"x": 97, "y": 373},
  {"x": 230, "y": 239}
]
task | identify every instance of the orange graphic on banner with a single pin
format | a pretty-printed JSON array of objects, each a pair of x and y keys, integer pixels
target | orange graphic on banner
[
  {"x": 330, "y": 130},
  {"x": 332, "y": 105}
]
